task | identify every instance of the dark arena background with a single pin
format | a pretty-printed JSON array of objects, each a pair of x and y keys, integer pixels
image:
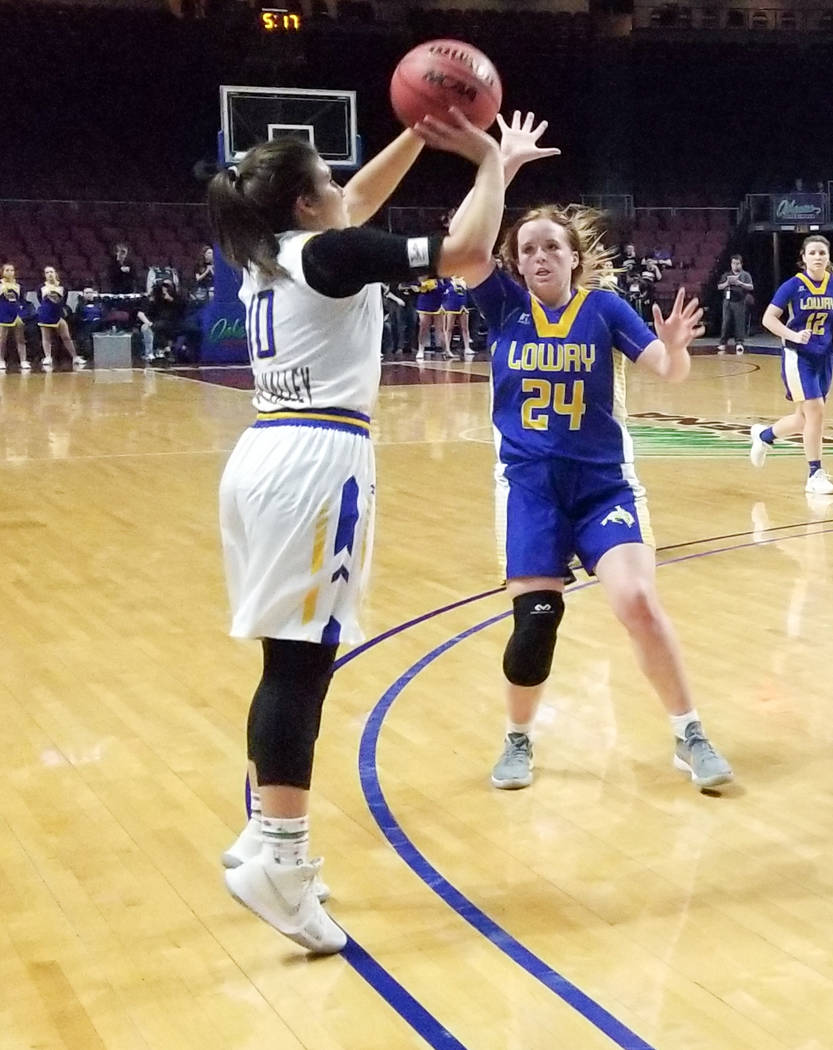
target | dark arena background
[
  {"x": 609, "y": 904},
  {"x": 658, "y": 109}
]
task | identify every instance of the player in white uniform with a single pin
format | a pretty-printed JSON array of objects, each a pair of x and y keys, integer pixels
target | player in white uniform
[{"x": 296, "y": 498}]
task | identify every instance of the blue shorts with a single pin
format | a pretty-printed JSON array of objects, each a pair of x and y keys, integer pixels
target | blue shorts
[
  {"x": 557, "y": 509},
  {"x": 806, "y": 376},
  {"x": 455, "y": 302},
  {"x": 430, "y": 302}
]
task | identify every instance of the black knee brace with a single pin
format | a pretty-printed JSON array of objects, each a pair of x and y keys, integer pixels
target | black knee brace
[
  {"x": 285, "y": 714},
  {"x": 528, "y": 657}
]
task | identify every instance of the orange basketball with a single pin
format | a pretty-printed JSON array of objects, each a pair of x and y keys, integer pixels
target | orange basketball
[{"x": 443, "y": 73}]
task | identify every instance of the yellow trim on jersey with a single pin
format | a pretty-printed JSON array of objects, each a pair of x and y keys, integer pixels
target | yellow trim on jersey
[
  {"x": 792, "y": 377},
  {"x": 321, "y": 417},
  {"x": 644, "y": 518},
  {"x": 812, "y": 288},
  {"x": 620, "y": 386},
  {"x": 557, "y": 329}
]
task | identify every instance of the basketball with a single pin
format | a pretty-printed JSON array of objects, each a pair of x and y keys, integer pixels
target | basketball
[{"x": 443, "y": 73}]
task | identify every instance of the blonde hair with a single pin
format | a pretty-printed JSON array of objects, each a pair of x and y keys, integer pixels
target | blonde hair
[{"x": 584, "y": 234}]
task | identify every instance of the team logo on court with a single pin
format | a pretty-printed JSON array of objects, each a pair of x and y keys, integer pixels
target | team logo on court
[{"x": 619, "y": 516}]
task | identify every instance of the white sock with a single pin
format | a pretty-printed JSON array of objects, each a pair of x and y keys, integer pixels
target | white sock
[
  {"x": 254, "y": 802},
  {"x": 679, "y": 723},
  {"x": 519, "y": 727},
  {"x": 286, "y": 839}
]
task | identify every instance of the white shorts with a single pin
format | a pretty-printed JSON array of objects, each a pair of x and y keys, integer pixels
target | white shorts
[{"x": 297, "y": 501}]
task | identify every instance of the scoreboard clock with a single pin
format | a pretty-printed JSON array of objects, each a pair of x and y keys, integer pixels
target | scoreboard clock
[{"x": 279, "y": 20}]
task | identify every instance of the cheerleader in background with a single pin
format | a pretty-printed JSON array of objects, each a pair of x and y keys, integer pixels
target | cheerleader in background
[
  {"x": 11, "y": 317},
  {"x": 52, "y": 298},
  {"x": 429, "y": 307},
  {"x": 455, "y": 308}
]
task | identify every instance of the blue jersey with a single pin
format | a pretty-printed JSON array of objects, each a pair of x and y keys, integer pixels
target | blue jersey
[
  {"x": 808, "y": 305},
  {"x": 558, "y": 375},
  {"x": 11, "y": 304}
]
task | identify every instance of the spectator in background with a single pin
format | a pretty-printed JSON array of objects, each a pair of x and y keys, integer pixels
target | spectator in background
[
  {"x": 162, "y": 321},
  {"x": 159, "y": 274},
  {"x": 392, "y": 304},
  {"x": 627, "y": 263},
  {"x": 51, "y": 318},
  {"x": 608, "y": 278},
  {"x": 406, "y": 317},
  {"x": 204, "y": 272},
  {"x": 11, "y": 317},
  {"x": 88, "y": 319},
  {"x": 121, "y": 275},
  {"x": 650, "y": 274},
  {"x": 735, "y": 285},
  {"x": 636, "y": 280},
  {"x": 662, "y": 257}
]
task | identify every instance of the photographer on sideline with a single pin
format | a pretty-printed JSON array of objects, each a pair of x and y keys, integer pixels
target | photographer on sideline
[{"x": 735, "y": 284}]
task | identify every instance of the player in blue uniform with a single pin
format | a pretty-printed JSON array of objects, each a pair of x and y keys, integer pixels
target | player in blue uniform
[
  {"x": 11, "y": 317},
  {"x": 52, "y": 300},
  {"x": 559, "y": 349},
  {"x": 807, "y": 359}
]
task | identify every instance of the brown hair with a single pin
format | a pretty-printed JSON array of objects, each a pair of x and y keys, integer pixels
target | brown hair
[
  {"x": 249, "y": 203},
  {"x": 809, "y": 240},
  {"x": 584, "y": 234}
]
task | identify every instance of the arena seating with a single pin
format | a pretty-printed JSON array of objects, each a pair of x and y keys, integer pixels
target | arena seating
[
  {"x": 696, "y": 239},
  {"x": 78, "y": 237}
]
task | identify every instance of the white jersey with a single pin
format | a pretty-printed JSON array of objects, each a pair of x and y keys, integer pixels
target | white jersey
[{"x": 296, "y": 361}]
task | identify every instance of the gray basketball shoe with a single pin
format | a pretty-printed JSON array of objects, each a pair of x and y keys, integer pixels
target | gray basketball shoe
[
  {"x": 514, "y": 767},
  {"x": 696, "y": 756}
]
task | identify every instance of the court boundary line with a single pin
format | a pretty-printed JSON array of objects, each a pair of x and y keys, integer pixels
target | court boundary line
[{"x": 385, "y": 820}]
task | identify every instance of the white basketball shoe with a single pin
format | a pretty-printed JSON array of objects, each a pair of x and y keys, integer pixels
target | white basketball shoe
[
  {"x": 284, "y": 896},
  {"x": 247, "y": 845}
]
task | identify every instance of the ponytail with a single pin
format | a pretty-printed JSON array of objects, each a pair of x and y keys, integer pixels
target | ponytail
[{"x": 250, "y": 204}]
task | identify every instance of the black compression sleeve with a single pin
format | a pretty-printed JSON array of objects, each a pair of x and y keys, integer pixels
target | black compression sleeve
[{"x": 338, "y": 263}]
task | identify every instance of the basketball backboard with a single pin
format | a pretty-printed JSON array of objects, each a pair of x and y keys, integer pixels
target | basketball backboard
[{"x": 325, "y": 117}]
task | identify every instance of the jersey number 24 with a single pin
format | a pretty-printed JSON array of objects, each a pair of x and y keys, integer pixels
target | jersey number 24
[{"x": 543, "y": 395}]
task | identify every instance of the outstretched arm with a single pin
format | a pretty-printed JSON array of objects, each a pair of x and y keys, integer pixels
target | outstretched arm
[
  {"x": 373, "y": 183},
  {"x": 518, "y": 146},
  {"x": 467, "y": 249},
  {"x": 667, "y": 355}
]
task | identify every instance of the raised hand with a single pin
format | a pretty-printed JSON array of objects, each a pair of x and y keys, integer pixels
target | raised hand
[
  {"x": 455, "y": 134},
  {"x": 682, "y": 325},
  {"x": 518, "y": 140}
]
